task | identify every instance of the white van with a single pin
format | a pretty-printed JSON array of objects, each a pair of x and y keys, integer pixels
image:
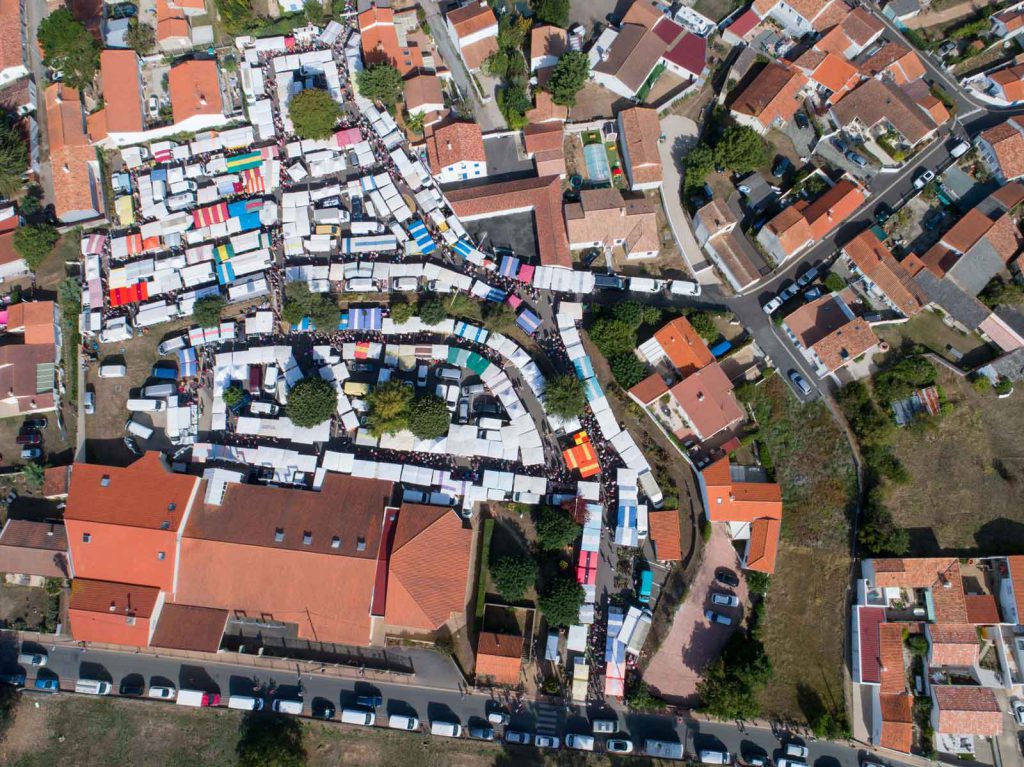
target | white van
[
  {"x": 245, "y": 703},
  {"x": 446, "y": 729},
  {"x": 139, "y": 430},
  {"x": 111, "y": 370},
  {"x": 263, "y": 408},
  {"x": 450, "y": 374},
  {"x": 197, "y": 698},
  {"x": 270, "y": 379},
  {"x": 181, "y": 201},
  {"x": 684, "y": 288},
  {"x": 144, "y": 405},
  {"x": 405, "y": 284},
  {"x": 159, "y": 191},
  {"x": 293, "y": 707},
  {"x": 715, "y": 757},
  {"x": 360, "y": 285},
  {"x": 399, "y": 722},
  {"x": 644, "y": 285},
  {"x": 92, "y": 687},
  {"x": 358, "y": 716},
  {"x": 160, "y": 390},
  {"x": 171, "y": 345},
  {"x": 580, "y": 742}
]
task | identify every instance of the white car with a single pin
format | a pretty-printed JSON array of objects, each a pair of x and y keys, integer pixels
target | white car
[
  {"x": 89, "y": 403},
  {"x": 619, "y": 746},
  {"x": 726, "y": 600},
  {"x": 519, "y": 738},
  {"x": 922, "y": 178},
  {"x": 1017, "y": 709},
  {"x": 154, "y": 107},
  {"x": 796, "y": 750},
  {"x": 960, "y": 149},
  {"x": 545, "y": 741},
  {"x": 164, "y": 693},
  {"x": 772, "y": 306}
]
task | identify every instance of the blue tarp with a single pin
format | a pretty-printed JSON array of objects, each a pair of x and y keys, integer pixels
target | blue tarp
[
  {"x": 422, "y": 237},
  {"x": 158, "y": 174},
  {"x": 720, "y": 348},
  {"x": 528, "y": 321},
  {"x": 365, "y": 319},
  {"x": 463, "y": 248},
  {"x": 627, "y": 516},
  {"x": 584, "y": 368},
  {"x": 509, "y": 266},
  {"x": 187, "y": 365},
  {"x": 592, "y": 389},
  {"x": 497, "y": 296},
  {"x": 470, "y": 332},
  {"x": 306, "y": 324},
  {"x": 225, "y": 272},
  {"x": 343, "y": 322},
  {"x": 249, "y": 221}
]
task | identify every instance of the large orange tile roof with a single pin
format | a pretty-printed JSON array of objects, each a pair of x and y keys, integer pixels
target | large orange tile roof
[
  {"x": 968, "y": 710},
  {"x": 115, "y": 613},
  {"x": 195, "y": 89},
  {"x": 546, "y": 110},
  {"x": 764, "y": 545},
  {"x": 650, "y": 388},
  {"x": 70, "y": 153},
  {"x": 34, "y": 319},
  {"x": 454, "y": 143},
  {"x": 187, "y": 627},
  {"x": 707, "y": 399},
  {"x": 837, "y": 74},
  {"x": 499, "y": 657},
  {"x": 122, "y": 90},
  {"x": 423, "y": 90},
  {"x": 544, "y": 137},
  {"x": 897, "y": 721},
  {"x": 170, "y": 22},
  {"x": 640, "y": 132},
  {"x": 664, "y": 529},
  {"x": 1007, "y": 140},
  {"x": 380, "y": 43},
  {"x": 791, "y": 228},
  {"x": 893, "y": 675},
  {"x": 953, "y": 644},
  {"x": 833, "y": 41},
  {"x": 771, "y": 94},
  {"x": 428, "y": 569},
  {"x": 642, "y": 12},
  {"x": 823, "y": 326},
  {"x": 1011, "y": 80},
  {"x": 471, "y": 18},
  {"x": 1016, "y": 567},
  {"x": 605, "y": 216},
  {"x": 833, "y": 207},
  {"x": 879, "y": 265},
  {"x": 927, "y": 572},
  {"x": 896, "y": 59},
  {"x": 683, "y": 346},
  {"x": 730, "y": 501},
  {"x": 11, "y": 54},
  {"x": 547, "y": 40}
]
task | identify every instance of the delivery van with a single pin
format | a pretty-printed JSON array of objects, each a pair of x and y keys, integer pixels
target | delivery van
[
  {"x": 138, "y": 429},
  {"x": 160, "y": 390},
  {"x": 399, "y": 722},
  {"x": 580, "y": 742},
  {"x": 293, "y": 707},
  {"x": 270, "y": 378},
  {"x": 111, "y": 370},
  {"x": 181, "y": 201},
  {"x": 405, "y": 284},
  {"x": 245, "y": 703},
  {"x": 144, "y": 405},
  {"x": 171, "y": 344},
  {"x": 446, "y": 729},
  {"x": 358, "y": 716},
  {"x": 197, "y": 698},
  {"x": 92, "y": 687}
]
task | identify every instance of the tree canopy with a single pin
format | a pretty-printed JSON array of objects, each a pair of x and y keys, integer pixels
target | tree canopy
[
  {"x": 140, "y": 37},
  {"x": 389, "y": 406},
  {"x": 568, "y": 77},
  {"x": 432, "y": 311},
  {"x": 612, "y": 336},
  {"x": 556, "y": 529},
  {"x": 499, "y": 318},
  {"x": 564, "y": 396},
  {"x": 314, "y": 113},
  {"x": 69, "y": 47},
  {"x": 512, "y": 31},
  {"x": 704, "y": 324},
  {"x": 401, "y": 310},
  {"x": 301, "y": 302},
  {"x": 730, "y": 686},
  {"x": 561, "y": 601},
  {"x": 514, "y": 575},
  {"x": 627, "y": 369},
  {"x": 34, "y": 243},
  {"x": 267, "y": 740},
  {"x": 207, "y": 309},
  {"x": 13, "y": 161},
  {"x": 429, "y": 417},
  {"x": 380, "y": 82},
  {"x": 551, "y": 11},
  {"x": 741, "y": 149},
  {"x": 234, "y": 394},
  {"x": 513, "y": 102},
  {"x": 314, "y": 12},
  {"x": 238, "y": 16},
  {"x": 311, "y": 402}
]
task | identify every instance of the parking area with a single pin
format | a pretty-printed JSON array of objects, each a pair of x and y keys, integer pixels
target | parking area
[
  {"x": 516, "y": 231},
  {"x": 828, "y": 150},
  {"x": 506, "y": 156}
]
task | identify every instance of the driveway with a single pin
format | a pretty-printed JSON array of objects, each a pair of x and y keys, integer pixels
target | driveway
[{"x": 693, "y": 643}]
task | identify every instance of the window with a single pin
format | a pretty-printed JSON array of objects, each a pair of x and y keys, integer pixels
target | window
[
  {"x": 361, "y": 544},
  {"x": 307, "y": 538},
  {"x": 161, "y": 556},
  {"x": 86, "y": 537},
  {"x": 279, "y": 534},
  {"x": 335, "y": 542}
]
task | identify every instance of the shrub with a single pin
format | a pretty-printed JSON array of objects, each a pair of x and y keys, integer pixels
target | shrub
[
  {"x": 730, "y": 686},
  {"x": 432, "y": 311},
  {"x": 34, "y": 243},
  {"x": 704, "y": 325},
  {"x": 389, "y": 406},
  {"x": 627, "y": 369},
  {"x": 402, "y": 311},
  {"x": 833, "y": 282},
  {"x": 207, "y": 309},
  {"x": 514, "y": 575},
  {"x": 429, "y": 417},
  {"x": 233, "y": 395},
  {"x": 311, "y": 402}
]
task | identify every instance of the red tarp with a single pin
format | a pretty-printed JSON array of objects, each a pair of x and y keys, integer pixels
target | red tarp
[
  {"x": 130, "y": 295},
  {"x": 213, "y": 214}
]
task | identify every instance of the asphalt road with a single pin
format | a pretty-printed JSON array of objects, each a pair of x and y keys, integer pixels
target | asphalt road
[{"x": 429, "y": 699}]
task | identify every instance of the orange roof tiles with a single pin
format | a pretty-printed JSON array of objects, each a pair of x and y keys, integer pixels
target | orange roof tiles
[
  {"x": 428, "y": 569},
  {"x": 823, "y": 327},
  {"x": 11, "y": 54},
  {"x": 547, "y": 40},
  {"x": 665, "y": 529},
  {"x": 455, "y": 143},
  {"x": 471, "y": 18},
  {"x": 878, "y": 264},
  {"x": 1011, "y": 80},
  {"x": 114, "y": 613},
  {"x": 772, "y": 94},
  {"x": 897, "y": 722},
  {"x": 1007, "y": 140},
  {"x": 640, "y": 132},
  {"x": 834, "y": 41},
  {"x": 1016, "y": 568},
  {"x": 187, "y": 627},
  {"x": 899, "y": 61},
  {"x": 649, "y": 389},
  {"x": 605, "y": 216},
  {"x": 927, "y": 572},
  {"x": 791, "y": 228},
  {"x": 34, "y": 319},
  {"x": 683, "y": 346},
  {"x": 171, "y": 22},
  {"x": 833, "y": 207},
  {"x": 967, "y": 711},
  {"x": 380, "y": 43},
  {"x": 194, "y": 86},
  {"x": 763, "y": 547},
  {"x": 545, "y": 137},
  {"x": 861, "y": 27},
  {"x": 707, "y": 399},
  {"x": 982, "y": 609},
  {"x": 499, "y": 657},
  {"x": 546, "y": 110},
  {"x": 730, "y": 501},
  {"x": 642, "y": 12},
  {"x": 890, "y": 655},
  {"x": 71, "y": 156},
  {"x": 837, "y": 74},
  {"x": 953, "y": 644},
  {"x": 122, "y": 90},
  {"x": 834, "y": 12},
  {"x": 422, "y": 91}
]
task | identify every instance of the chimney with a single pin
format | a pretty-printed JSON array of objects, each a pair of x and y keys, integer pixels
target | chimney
[
  {"x": 449, "y": 146},
  {"x": 700, "y": 396},
  {"x": 202, "y": 100}
]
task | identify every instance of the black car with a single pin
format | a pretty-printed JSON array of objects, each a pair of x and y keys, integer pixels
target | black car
[
  {"x": 839, "y": 143},
  {"x": 801, "y": 120},
  {"x": 727, "y": 577},
  {"x": 592, "y": 255},
  {"x": 323, "y": 708},
  {"x": 370, "y": 701},
  {"x": 882, "y": 213},
  {"x": 129, "y": 688},
  {"x": 34, "y": 423},
  {"x": 933, "y": 220}
]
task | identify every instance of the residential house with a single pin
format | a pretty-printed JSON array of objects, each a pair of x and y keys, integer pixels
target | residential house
[
  {"x": 545, "y": 110},
  {"x": 798, "y": 17},
  {"x": 629, "y": 61},
  {"x": 686, "y": 53},
  {"x": 665, "y": 534},
  {"x": 749, "y": 505},
  {"x": 771, "y": 98},
  {"x": 11, "y": 262},
  {"x": 121, "y": 74},
  {"x": 879, "y": 107},
  {"x": 78, "y": 184},
  {"x": 195, "y": 92},
  {"x": 31, "y": 552},
  {"x": 1002, "y": 149},
  {"x": 173, "y": 31},
  {"x": 798, "y": 226},
  {"x": 1007, "y": 84},
  {"x": 379, "y": 40},
  {"x": 828, "y": 334},
  {"x": 861, "y": 29},
  {"x": 541, "y": 196},
  {"x": 885, "y": 279},
  {"x": 678, "y": 342},
  {"x": 28, "y": 357},
  {"x": 456, "y": 152},
  {"x": 649, "y": 390},
  {"x": 545, "y": 144},
  {"x": 423, "y": 96},
  {"x": 714, "y": 226},
  {"x": 706, "y": 401},
  {"x": 1008, "y": 24},
  {"x": 547, "y": 44},
  {"x": 639, "y": 133},
  {"x": 113, "y": 613},
  {"x": 901, "y": 10},
  {"x": 831, "y": 74},
  {"x": 12, "y": 45},
  {"x": 474, "y": 29},
  {"x": 984, "y": 242},
  {"x": 895, "y": 62},
  {"x": 742, "y": 28},
  {"x": 604, "y": 219},
  {"x": 499, "y": 658}
]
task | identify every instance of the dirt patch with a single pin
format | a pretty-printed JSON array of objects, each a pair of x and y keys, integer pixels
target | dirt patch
[
  {"x": 22, "y": 607},
  {"x": 966, "y": 350}
]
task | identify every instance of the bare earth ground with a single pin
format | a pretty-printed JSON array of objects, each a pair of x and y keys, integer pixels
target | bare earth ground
[
  {"x": 966, "y": 493},
  {"x": 805, "y": 623},
  {"x": 928, "y": 329}
]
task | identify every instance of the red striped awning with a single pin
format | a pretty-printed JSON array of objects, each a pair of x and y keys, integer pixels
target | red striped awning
[{"x": 212, "y": 214}]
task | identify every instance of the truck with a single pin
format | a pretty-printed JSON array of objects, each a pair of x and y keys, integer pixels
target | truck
[
  {"x": 664, "y": 749},
  {"x": 646, "y": 584},
  {"x": 197, "y": 698}
]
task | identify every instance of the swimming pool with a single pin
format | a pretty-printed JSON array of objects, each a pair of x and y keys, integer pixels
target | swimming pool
[{"x": 596, "y": 158}]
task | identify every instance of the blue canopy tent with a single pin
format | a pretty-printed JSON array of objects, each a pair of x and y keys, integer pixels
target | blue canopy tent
[
  {"x": 584, "y": 368},
  {"x": 366, "y": 319},
  {"x": 592, "y": 389},
  {"x": 528, "y": 321},
  {"x": 509, "y": 266},
  {"x": 187, "y": 364},
  {"x": 419, "y": 233}
]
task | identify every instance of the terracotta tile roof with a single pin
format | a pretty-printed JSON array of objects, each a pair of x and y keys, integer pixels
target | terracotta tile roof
[
  {"x": 542, "y": 195},
  {"x": 640, "y": 131},
  {"x": 897, "y": 722},
  {"x": 868, "y": 621},
  {"x": 791, "y": 228},
  {"x": 1007, "y": 140},
  {"x": 379, "y": 40},
  {"x": 810, "y": 60},
  {"x": 632, "y": 56},
  {"x": 1016, "y": 567},
  {"x": 74, "y": 188},
  {"x": 967, "y": 711},
  {"x": 549, "y": 163},
  {"x": 194, "y": 87},
  {"x": 707, "y": 399},
  {"x": 1009, "y": 195},
  {"x": 471, "y": 18},
  {"x": 897, "y": 60},
  {"x": 545, "y": 137},
  {"x": 763, "y": 547},
  {"x": 861, "y": 27},
  {"x": 834, "y": 41},
  {"x": 429, "y": 568},
  {"x": 122, "y": 90},
  {"x": 665, "y": 530},
  {"x": 953, "y": 644},
  {"x": 11, "y": 54},
  {"x": 837, "y": 74},
  {"x": 547, "y": 40},
  {"x": 605, "y": 216},
  {"x": 893, "y": 676},
  {"x": 823, "y": 327},
  {"x": 171, "y": 22},
  {"x": 931, "y": 573},
  {"x": 499, "y": 657},
  {"x": 34, "y": 320},
  {"x": 833, "y": 13},
  {"x": 546, "y": 110},
  {"x": 716, "y": 217},
  {"x": 145, "y": 494},
  {"x": 683, "y": 346},
  {"x": 476, "y": 53},
  {"x": 642, "y": 12},
  {"x": 730, "y": 501},
  {"x": 1011, "y": 80},
  {"x": 455, "y": 143},
  {"x": 879, "y": 265},
  {"x": 34, "y": 548},
  {"x": 982, "y": 609},
  {"x": 743, "y": 23},
  {"x": 833, "y": 207},
  {"x": 113, "y": 598},
  {"x": 772, "y": 94},
  {"x": 422, "y": 91},
  {"x": 1012, "y": 19},
  {"x": 650, "y": 388},
  {"x": 876, "y": 100},
  {"x": 186, "y": 627}
]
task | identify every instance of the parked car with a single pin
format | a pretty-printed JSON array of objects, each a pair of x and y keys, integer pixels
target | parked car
[
  {"x": 89, "y": 403},
  {"x": 498, "y": 717},
  {"x": 840, "y": 144},
  {"x": 33, "y": 659},
  {"x": 781, "y": 167},
  {"x": 34, "y": 423},
  {"x": 714, "y": 617},
  {"x": 370, "y": 701},
  {"x": 772, "y": 305},
  {"x": 857, "y": 159},
  {"x": 481, "y": 733},
  {"x": 604, "y": 726},
  {"x": 29, "y": 438},
  {"x": 47, "y": 684},
  {"x": 131, "y": 689},
  {"x": 799, "y": 382},
  {"x": 163, "y": 693},
  {"x": 882, "y": 213},
  {"x": 786, "y": 762},
  {"x": 932, "y": 220},
  {"x": 1017, "y": 709},
  {"x": 518, "y": 738},
  {"x": 726, "y": 600},
  {"x": 622, "y": 745},
  {"x": 788, "y": 292},
  {"x": 801, "y": 122},
  {"x": 727, "y": 577},
  {"x": 153, "y": 106},
  {"x": 807, "y": 277},
  {"x": 545, "y": 741},
  {"x": 17, "y": 679},
  {"x": 322, "y": 708},
  {"x": 811, "y": 293},
  {"x": 948, "y": 48},
  {"x": 923, "y": 177},
  {"x": 960, "y": 149},
  {"x": 796, "y": 750},
  {"x": 31, "y": 453}
]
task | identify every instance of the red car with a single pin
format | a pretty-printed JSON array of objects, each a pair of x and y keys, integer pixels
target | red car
[{"x": 33, "y": 438}]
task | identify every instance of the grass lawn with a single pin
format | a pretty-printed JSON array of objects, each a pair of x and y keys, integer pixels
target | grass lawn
[
  {"x": 806, "y": 607},
  {"x": 716, "y": 10},
  {"x": 928, "y": 330},
  {"x": 590, "y": 137},
  {"x": 965, "y": 493},
  {"x": 614, "y": 161}
]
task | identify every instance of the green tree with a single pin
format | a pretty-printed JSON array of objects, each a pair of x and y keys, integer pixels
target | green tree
[
  {"x": 311, "y": 402},
  {"x": 757, "y": 583},
  {"x": 551, "y": 11},
  {"x": 833, "y": 282},
  {"x": 704, "y": 324},
  {"x": 415, "y": 122},
  {"x": 380, "y": 82},
  {"x": 513, "y": 101},
  {"x": 34, "y": 243},
  {"x": 234, "y": 394},
  {"x": 700, "y": 161},
  {"x": 207, "y": 309},
  {"x": 564, "y": 396},
  {"x": 238, "y": 16},
  {"x": 432, "y": 311},
  {"x": 297, "y": 300},
  {"x": 512, "y": 31},
  {"x": 556, "y": 528},
  {"x": 389, "y": 406},
  {"x": 268, "y": 740},
  {"x": 496, "y": 65},
  {"x": 640, "y": 698},
  {"x": 514, "y": 575},
  {"x": 997, "y": 292},
  {"x": 314, "y": 12},
  {"x": 140, "y": 37},
  {"x": 741, "y": 149},
  {"x": 34, "y": 474},
  {"x": 429, "y": 417},
  {"x": 314, "y": 113},
  {"x": 69, "y": 47},
  {"x": 613, "y": 336},
  {"x": 730, "y": 686},
  {"x": 499, "y": 318},
  {"x": 568, "y": 77},
  {"x": 627, "y": 369},
  {"x": 560, "y": 602},
  {"x": 402, "y": 311},
  {"x": 13, "y": 164},
  {"x": 323, "y": 311}
]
